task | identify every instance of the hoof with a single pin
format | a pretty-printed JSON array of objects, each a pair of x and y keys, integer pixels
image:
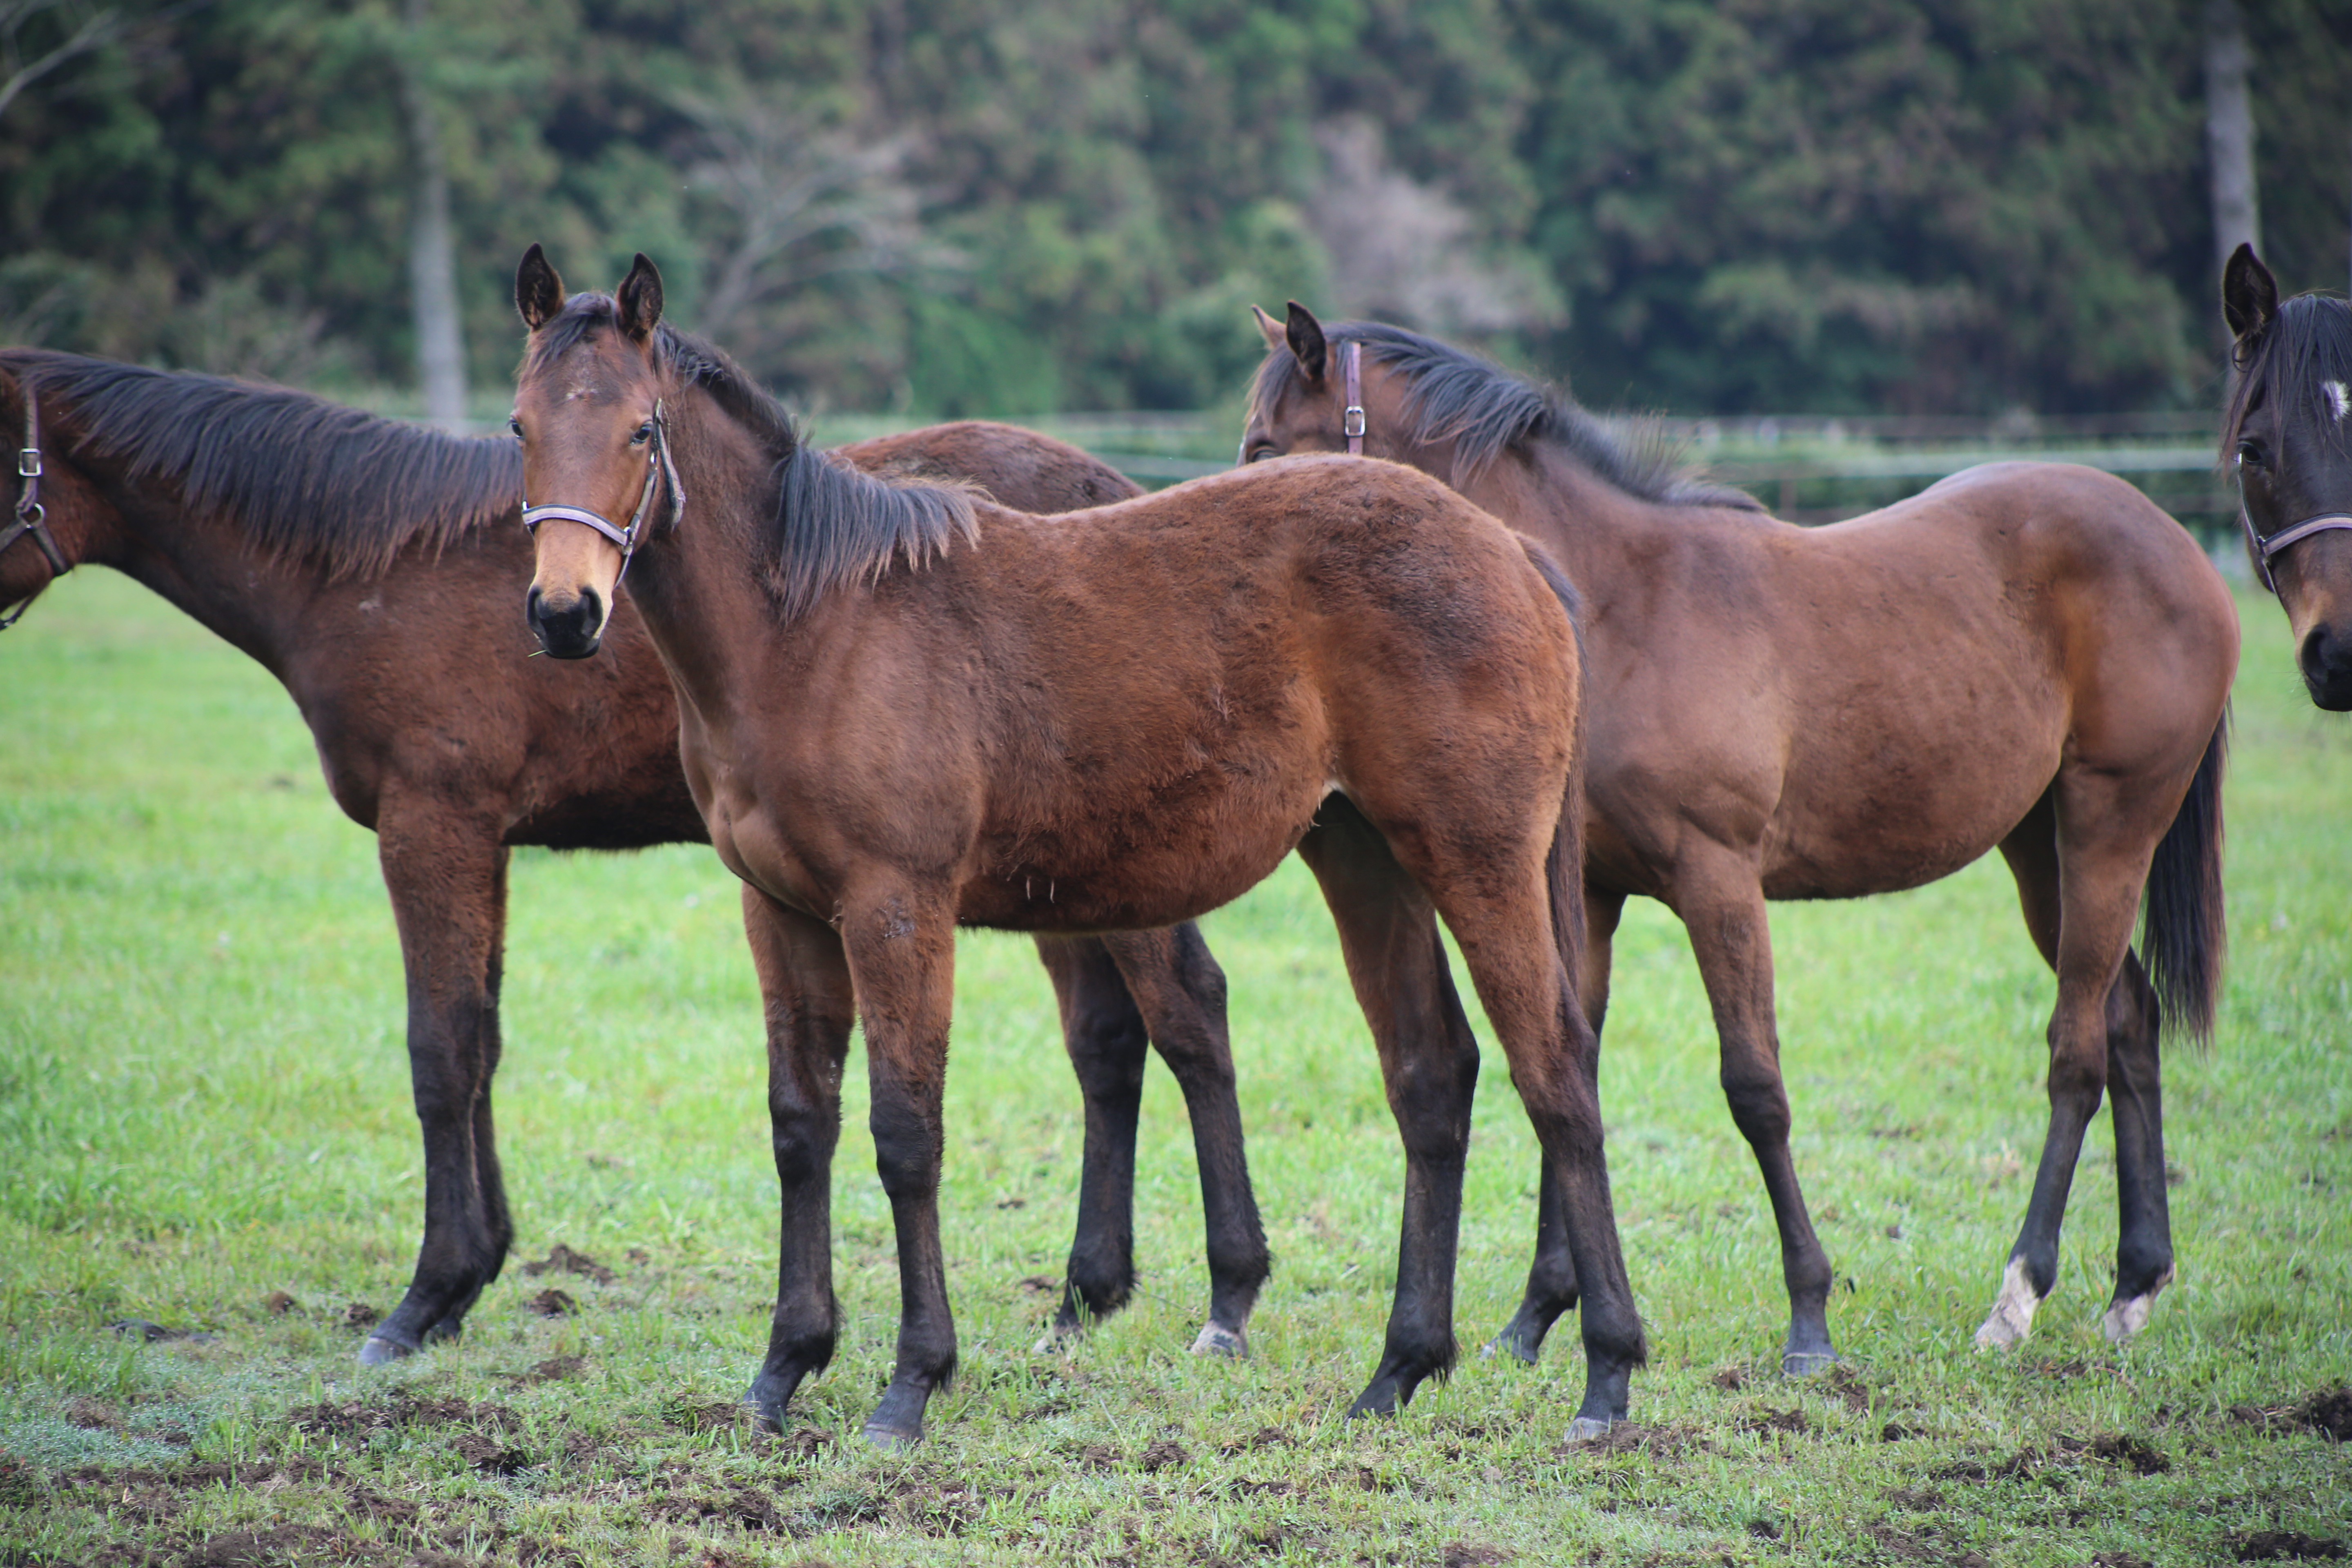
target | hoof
[
  {"x": 892, "y": 1439},
  {"x": 1217, "y": 1340},
  {"x": 2128, "y": 1316},
  {"x": 1807, "y": 1364},
  {"x": 1585, "y": 1428},
  {"x": 1510, "y": 1344},
  {"x": 2011, "y": 1318},
  {"x": 1061, "y": 1339},
  {"x": 377, "y": 1350}
]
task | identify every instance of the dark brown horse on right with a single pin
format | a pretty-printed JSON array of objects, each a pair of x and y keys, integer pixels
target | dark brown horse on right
[
  {"x": 2027, "y": 655},
  {"x": 371, "y": 566},
  {"x": 2287, "y": 435}
]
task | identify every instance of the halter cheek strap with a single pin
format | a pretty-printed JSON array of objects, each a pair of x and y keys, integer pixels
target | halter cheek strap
[
  {"x": 32, "y": 517},
  {"x": 1351, "y": 423},
  {"x": 2264, "y": 548},
  {"x": 660, "y": 469}
]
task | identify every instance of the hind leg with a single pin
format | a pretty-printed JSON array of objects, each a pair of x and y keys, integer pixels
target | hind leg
[
  {"x": 1429, "y": 1064},
  {"x": 1551, "y": 1278},
  {"x": 2082, "y": 853},
  {"x": 1180, "y": 992}
]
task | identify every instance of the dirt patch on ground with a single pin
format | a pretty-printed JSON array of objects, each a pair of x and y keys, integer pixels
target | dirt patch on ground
[
  {"x": 1625, "y": 1437},
  {"x": 2328, "y": 1413},
  {"x": 2287, "y": 1546},
  {"x": 358, "y": 1419},
  {"x": 2121, "y": 1449},
  {"x": 1795, "y": 1422},
  {"x": 561, "y": 1259}
]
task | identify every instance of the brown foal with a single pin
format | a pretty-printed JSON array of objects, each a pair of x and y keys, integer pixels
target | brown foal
[
  {"x": 2027, "y": 655},
  {"x": 904, "y": 708}
]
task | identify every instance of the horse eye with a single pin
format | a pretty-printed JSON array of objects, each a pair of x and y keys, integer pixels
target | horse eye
[
  {"x": 1260, "y": 454},
  {"x": 644, "y": 434},
  {"x": 2250, "y": 454},
  {"x": 516, "y": 426}
]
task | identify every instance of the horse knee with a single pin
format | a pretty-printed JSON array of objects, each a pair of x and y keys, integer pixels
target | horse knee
[
  {"x": 906, "y": 1152},
  {"x": 1759, "y": 1104},
  {"x": 804, "y": 1138},
  {"x": 1431, "y": 1096}
]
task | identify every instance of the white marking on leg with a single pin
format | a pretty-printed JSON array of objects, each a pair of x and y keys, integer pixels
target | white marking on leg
[
  {"x": 2339, "y": 399},
  {"x": 2126, "y": 1317},
  {"x": 2011, "y": 1318}
]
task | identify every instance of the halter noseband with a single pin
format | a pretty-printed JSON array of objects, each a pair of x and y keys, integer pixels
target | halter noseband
[
  {"x": 2265, "y": 547},
  {"x": 659, "y": 467},
  {"x": 32, "y": 517}
]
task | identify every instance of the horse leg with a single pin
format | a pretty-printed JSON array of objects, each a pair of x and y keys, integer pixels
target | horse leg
[
  {"x": 1551, "y": 1278},
  {"x": 901, "y": 947},
  {"x": 1105, "y": 1035},
  {"x": 808, "y": 1003},
  {"x": 1181, "y": 990},
  {"x": 1429, "y": 1064},
  {"x": 1555, "y": 1065},
  {"x": 2100, "y": 841},
  {"x": 447, "y": 880},
  {"x": 2135, "y": 1085},
  {"x": 1721, "y": 905},
  {"x": 2136, "y": 1105}
]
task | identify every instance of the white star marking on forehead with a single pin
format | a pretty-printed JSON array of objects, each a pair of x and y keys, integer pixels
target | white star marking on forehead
[{"x": 2338, "y": 400}]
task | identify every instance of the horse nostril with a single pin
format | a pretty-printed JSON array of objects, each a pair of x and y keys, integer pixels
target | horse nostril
[{"x": 531, "y": 605}]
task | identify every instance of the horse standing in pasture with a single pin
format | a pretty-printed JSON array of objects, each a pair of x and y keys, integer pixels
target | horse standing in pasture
[
  {"x": 2287, "y": 436},
  {"x": 2027, "y": 656},
  {"x": 905, "y": 708},
  {"x": 371, "y": 566}
]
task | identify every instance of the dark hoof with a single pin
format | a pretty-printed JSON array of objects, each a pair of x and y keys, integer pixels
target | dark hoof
[
  {"x": 1585, "y": 1428},
  {"x": 1513, "y": 1343},
  {"x": 893, "y": 1440},
  {"x": 1374, "y": 1401},
  {"x": 377, "y": 1350},
  {"x": 1807, "y": 1364}
]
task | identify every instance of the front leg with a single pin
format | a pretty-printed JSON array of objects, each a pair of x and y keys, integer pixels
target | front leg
[
  {"x": 447, "y": 875},
  {"x": 1105, "y": 1038},
  {"x": 901, "y": 947},
  {"x": 804, "y": 990}
]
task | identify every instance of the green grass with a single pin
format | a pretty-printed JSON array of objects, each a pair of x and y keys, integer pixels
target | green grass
[{"x": 204, "y": 1100}]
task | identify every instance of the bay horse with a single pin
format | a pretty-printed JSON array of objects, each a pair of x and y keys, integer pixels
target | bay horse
[
  {"x": 2026, "y": 655},
  {"x": 2285, "y": 434},
  {"x": 368, "y": 565},
  {"x": 905, "y": 708}
]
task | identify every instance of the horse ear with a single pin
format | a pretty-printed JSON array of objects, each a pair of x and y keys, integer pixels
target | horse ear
[
  {"x": 1270, "y": 330},
  {"x": 2249, "y": 294},
  {"x": 640, "y": 299},
  {"x": 539, "y": 292},
  {"x": 1304, "y": 334}
]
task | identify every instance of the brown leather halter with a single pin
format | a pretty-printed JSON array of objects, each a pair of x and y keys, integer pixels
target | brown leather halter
[
  {"x": 2264, "y": 548},
  {"x": 32, "y": 517},
  {"x": 659, "y": 467}
]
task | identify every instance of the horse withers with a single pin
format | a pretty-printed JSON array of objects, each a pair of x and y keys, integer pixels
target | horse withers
[
  {"x": 904, "y": 708},
  {"x": 2030, "y": 656},
  {"x": 2287, "y": 436},
  {"x": 367, "y": 563}
]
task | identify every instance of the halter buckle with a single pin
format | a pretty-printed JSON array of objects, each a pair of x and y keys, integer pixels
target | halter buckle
[
  {"x": 1351, "y": 424},
  {"x": 28, "y": 462}
]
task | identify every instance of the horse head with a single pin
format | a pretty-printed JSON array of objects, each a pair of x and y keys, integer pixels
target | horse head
[
  {"x": 590, "y": 414},
  {"x": 2288, "y": 436},
  {"x": 1319, "y": 393}
]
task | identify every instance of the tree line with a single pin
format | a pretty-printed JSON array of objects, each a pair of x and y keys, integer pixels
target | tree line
[{"x": 950, "y": 207}]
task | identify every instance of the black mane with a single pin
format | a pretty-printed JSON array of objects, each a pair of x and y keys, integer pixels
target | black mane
[
  {"x": 1484, "y": 410},
  {"x": 828, "y": 522},
  {"x": 302, "y": 476},
  {"x": 2309, "y": 342}
]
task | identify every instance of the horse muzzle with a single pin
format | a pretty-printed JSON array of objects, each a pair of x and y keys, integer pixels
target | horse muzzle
[
  {"x": 570, "y": 629},
  {"x": 2325, "y": 660}
]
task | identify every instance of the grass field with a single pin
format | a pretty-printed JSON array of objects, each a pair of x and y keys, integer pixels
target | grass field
[{"x": 203, "y": 1102}]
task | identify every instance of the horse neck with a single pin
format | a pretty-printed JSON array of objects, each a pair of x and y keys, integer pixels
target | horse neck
[
  {"x": 208, "y": 568},
  {"x": 696, "y": 584},
  {"x": 1591, "y": 526}
]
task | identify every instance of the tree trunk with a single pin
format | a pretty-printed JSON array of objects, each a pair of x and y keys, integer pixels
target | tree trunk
[
  {"x": 2230, "y": 130},
  {"x": 432, "y": 249}
]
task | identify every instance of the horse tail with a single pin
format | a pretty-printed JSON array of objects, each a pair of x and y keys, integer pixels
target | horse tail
[
  {"x": 1564, "y": 867},
  {"x": 2182, "y": 935}
]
